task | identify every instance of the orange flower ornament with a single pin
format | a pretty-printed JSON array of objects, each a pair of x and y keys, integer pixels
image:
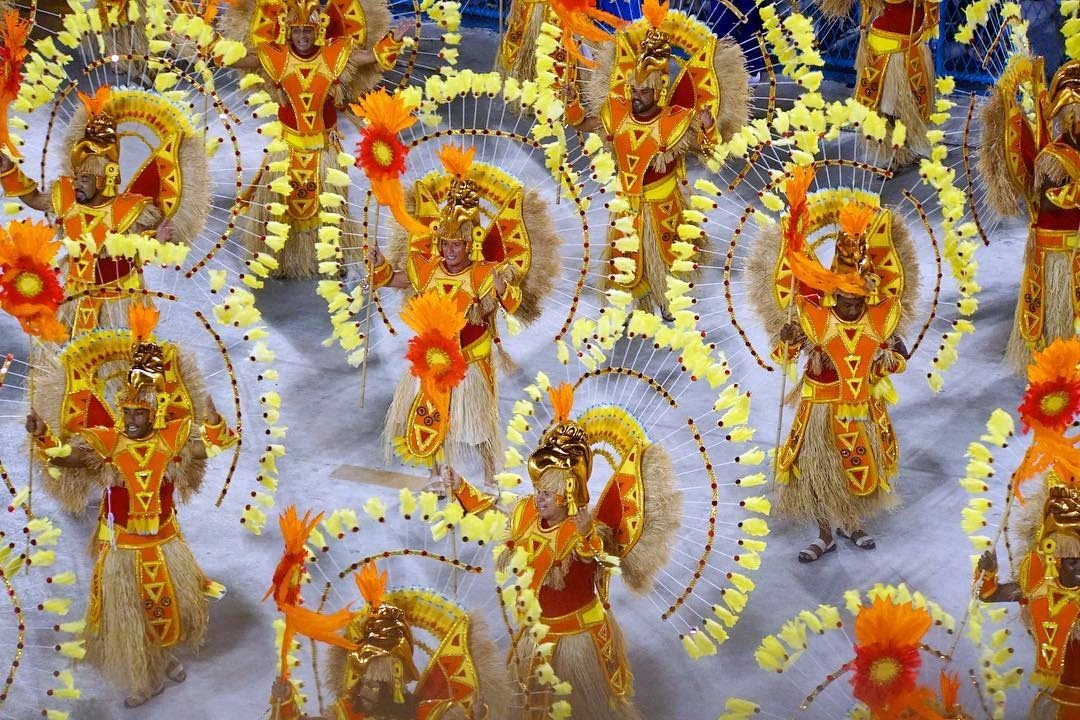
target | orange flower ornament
[
  {"x": 381, "y": 154},
  {"x": 30, "y": 289},
  {"x": 434, "y": 354},
  {"x": 887, "y": 659}
]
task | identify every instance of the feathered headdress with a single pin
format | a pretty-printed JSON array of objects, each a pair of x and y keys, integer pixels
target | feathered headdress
[
  {"x": 99, "y": 147},
  {"x": 30, "y": 289},
  {"x": 146, "y": 374},
  {"x": 381, "y": 154},
  {"x": 462, "y": 204},
  {"x": 565, "y": 447},
  {"x": 285, "y": 587},
  {"x": 14, "y": 30},
  {"x": 806, "y": 269},
  {"x": 434, "y": 354},
  {"x": 1049, "y": 408},
  {"x": 386, "y": 637},
  {"x": 654, "y": 52}
]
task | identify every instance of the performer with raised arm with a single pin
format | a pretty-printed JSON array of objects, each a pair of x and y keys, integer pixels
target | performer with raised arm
[
  {"x": 167, "y": 199},
  {"x": 1036, "y": 166},
  {"x": 148, "y": 596},
  {"x": 651, "y": 122},
  {"x": 571, "y": 551},
  {"x": 319, "y": 59},
  {"x": 841, "y": 455}
]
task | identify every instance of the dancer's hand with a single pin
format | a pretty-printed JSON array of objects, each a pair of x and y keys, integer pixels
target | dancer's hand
[
  {"x": 35, "y": 425},
  {"x": 213, "y": 417},
  {"x": 375, "y": 257},
  {"x": 451, "y": 480},
  {"x": 791, "y": 333},
  {"x": 988, "y": 562},
  {"x": 164, "y": 231},
  {"x": 6, "y": 163},
  {"x": 402, "y": 29},
  {"x": 582, "y": 520}
]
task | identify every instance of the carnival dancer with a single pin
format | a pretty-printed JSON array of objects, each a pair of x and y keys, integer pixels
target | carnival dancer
[
  {"x": 371, "y": 666},
  {"x": 841, "y": 455},
  {"x": 148, "y": 596},
  {"x": 571, "y": 551},
  {"x": 510, "y": 265},
  {"x": 1030, "y": 165},
  {"x": 168, "y": 198},
  {"x": 894, "y": 64},
  {"x": 1047, "y": 577},
  {"x": 319, "y": 59},
  {"x": 652, "y": 122}
]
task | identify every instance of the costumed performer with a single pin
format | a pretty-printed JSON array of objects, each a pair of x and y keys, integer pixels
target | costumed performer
[
  {"x": 652, "y": 122},
  {"x": 571, "y": 552},
  {"x": 841, "y": 455},
  {"x": 148, "y": 596}
]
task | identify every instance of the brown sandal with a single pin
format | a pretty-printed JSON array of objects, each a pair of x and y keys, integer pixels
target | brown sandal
[{"x": 815, "y": 550}]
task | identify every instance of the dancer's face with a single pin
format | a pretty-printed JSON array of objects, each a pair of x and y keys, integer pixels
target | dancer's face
[
  {"x": 642, "y": 100},
  {"x": 137, "y": 423},
  {"x": 85, "y": 187},
  {"x": 547, "y": 503},
  {"x": 1069, "y": 574},
  {"x": 454, "y": 252},
  {"x": 849, "y": 307},
  {"x": 302, "y": 39}
]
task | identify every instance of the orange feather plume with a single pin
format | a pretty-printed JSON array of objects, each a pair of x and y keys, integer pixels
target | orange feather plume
[
  {"x": 654, "y": 12},
  {"x": 562, "y": 401},
  {"x": 457, "y": 160},
  {"x": 855, "y": 218},
  {"x": 381, "y": 154},
  {"x": 142, "y": 319},
  {"x": 14, "y": 31},
  {"x": 371, "y": 583},
  {"x": 285, "y": 587},
  {"x": 30, "y": 288},
  {"x": 96, "y": 103},
  {"x": 433, "y": 311},
  {"x": 579, "y": 18},
  {"x": 807, "y": 270},
  {"x": 950, "y": 690},
  {"x": 434, "y": 355}
]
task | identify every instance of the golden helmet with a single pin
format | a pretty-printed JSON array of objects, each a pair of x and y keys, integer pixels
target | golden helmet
[{"x": 1065, "y": 87}]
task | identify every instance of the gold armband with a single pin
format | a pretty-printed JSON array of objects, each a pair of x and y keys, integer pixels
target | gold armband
[
  {"x": 472, "y": 500},
  {"x": 219, "y": 435},
  {"x": 386, "y": 51},
  {"x": 16, "y": 183},
  {"x": 989, "y": 584},
  {"x": 1066, "y": 197},
  {"x": 43, "y": 443},
  {"x": 381, "y": 275}
]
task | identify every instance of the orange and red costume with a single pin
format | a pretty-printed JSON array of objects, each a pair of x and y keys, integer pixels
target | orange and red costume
[
  {"x": 1024, "y": 159},
  {"x": 901, "y": 27},
  {"x": 473, "y": 289},
  {"x": 576, "y": 601}
]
